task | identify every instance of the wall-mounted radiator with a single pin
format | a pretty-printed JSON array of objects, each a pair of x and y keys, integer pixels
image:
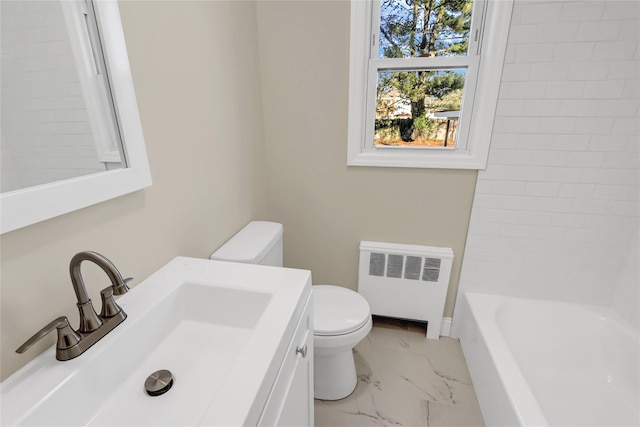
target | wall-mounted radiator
[{"x": 406, "y": 281}]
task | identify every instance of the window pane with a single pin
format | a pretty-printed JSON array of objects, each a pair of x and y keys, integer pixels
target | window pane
[
  {"x": 424, "y": 28},
  {"x": 418, "y": 108}
]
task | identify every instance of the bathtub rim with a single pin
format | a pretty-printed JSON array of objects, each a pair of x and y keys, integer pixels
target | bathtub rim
[
  {"x": 520, "y": 398},
  {"x": 517, "y": 393}
]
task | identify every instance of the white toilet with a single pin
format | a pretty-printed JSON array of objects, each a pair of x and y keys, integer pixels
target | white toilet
[{"x": 341, "y": 317}]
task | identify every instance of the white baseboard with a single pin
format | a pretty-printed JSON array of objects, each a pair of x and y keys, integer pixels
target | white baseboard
[{"x": 445, "y": 327}]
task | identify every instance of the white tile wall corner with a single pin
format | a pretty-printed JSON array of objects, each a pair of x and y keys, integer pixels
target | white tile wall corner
[
  {"x": 555, "y": 209},
  {"x": 41, "y": 87}
]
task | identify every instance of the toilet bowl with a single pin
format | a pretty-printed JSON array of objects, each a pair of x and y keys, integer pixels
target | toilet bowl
[{"x": 341, "y": 317}]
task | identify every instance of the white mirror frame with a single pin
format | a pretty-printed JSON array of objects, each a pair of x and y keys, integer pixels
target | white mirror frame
[{"x": 28, "y": 206}]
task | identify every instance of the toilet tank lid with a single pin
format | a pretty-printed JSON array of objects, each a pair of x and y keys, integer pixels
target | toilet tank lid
[{"x": 251, "y": 244}]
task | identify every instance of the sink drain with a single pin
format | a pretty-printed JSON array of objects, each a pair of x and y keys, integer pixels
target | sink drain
[{"x": 159, "y": 382}]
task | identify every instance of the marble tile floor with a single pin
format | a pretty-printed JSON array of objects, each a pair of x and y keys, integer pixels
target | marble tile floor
[{"x": 405, "y": 380}]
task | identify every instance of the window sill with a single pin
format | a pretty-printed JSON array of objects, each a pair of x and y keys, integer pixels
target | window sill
[{"x": 413, "y": 159}]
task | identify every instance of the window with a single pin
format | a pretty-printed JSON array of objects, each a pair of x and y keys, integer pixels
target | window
[{"x": 424, "y": 79}]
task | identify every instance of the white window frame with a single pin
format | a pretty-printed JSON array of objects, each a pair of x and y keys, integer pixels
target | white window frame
[
  {"x": 87, "y": 53},
  {"x": 480, "y": 98}
]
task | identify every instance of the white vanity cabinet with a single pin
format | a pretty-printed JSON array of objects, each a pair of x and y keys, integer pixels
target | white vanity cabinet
[
  {"x": 248, "y": 331},
  {"x": 291, "y": 400}
]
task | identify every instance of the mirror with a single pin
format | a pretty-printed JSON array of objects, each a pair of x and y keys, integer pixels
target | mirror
[
  {"x": 71, "y": 132},
  {"x": 57, "y": 117}
]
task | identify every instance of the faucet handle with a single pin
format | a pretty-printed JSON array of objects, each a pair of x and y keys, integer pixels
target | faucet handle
[
  {"x": 122, "y": 288},
  {"x": 67, "y": 337},
  {"x": 109, "y": 306}
]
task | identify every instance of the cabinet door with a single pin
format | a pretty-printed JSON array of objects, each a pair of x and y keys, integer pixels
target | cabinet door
[
  {"x": 297, "y": 409},
  {"x": 291, "y": 400}
]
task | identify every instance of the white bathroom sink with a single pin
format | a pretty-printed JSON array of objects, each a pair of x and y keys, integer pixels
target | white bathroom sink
[{"x": 220, "y": 328}]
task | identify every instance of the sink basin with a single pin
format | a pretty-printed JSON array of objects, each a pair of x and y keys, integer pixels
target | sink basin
[{"x": 220, "y": 328}]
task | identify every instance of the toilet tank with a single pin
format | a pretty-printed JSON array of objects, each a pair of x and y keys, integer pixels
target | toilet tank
[{"x": 259, "y": 242}]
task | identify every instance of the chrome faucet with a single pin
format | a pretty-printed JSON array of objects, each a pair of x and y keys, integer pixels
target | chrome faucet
[
  {"x": 89, "y": 320},
  {"x": 92, "y": 327}
]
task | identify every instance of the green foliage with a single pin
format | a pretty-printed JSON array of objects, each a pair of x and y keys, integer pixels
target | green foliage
[
  {"x": 425, "y": 128},
  {"x": 387, "y": 131},
  {"x": 424, "y": 27},
  {"x": 422, "y": 127},
  {"x": 449, "y": 102},
  {"x": 443, "y": 82},
  {"x": 390, "y": 131}
]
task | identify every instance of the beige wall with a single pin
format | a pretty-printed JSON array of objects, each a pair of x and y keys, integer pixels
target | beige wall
[
  {"x": 202, "y": 123},
  {"x": 196, "y": 73},
  {"x": 327, "y": 208}
]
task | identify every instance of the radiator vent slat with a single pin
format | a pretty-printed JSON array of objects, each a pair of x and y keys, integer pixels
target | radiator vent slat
[
  {"x": 431, "y": 271},
  {"x": 412, "y": 268},
  {"x": 376, "y": 264},
  {"x": 394, "y": 266}
]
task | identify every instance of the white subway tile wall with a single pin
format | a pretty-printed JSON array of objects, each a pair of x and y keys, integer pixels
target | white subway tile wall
[
  {"x": 46, "y": 135},
  {"x": 555, "y": 213}
]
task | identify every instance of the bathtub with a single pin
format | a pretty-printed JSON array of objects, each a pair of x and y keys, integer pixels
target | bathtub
[{"x": 550, "y": 363}]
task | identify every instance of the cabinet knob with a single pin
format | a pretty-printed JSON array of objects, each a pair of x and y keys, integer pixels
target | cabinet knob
[{"x": 302, "y": 350}]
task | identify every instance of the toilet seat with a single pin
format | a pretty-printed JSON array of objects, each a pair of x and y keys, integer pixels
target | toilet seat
[{"x": 338, "y": 310}]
